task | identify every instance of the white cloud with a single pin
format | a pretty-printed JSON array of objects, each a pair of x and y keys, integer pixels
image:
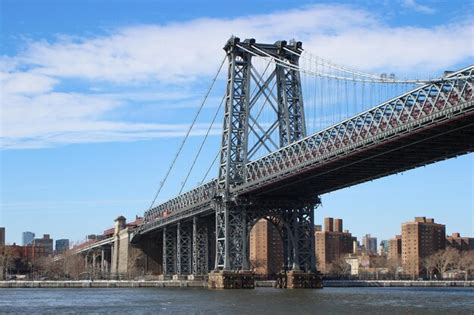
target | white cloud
[
  {"x": 36, "y": 112},
  {"x": 412, "y": 4},
  {"x": 62, "y": 118},
  {"x": 25, "y": 83}
]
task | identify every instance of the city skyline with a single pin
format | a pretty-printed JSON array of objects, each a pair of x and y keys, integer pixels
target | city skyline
[{"x": 82, "y": 166}]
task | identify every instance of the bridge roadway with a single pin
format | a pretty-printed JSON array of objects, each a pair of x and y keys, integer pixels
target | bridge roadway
[{"x": 427, "y": 124}]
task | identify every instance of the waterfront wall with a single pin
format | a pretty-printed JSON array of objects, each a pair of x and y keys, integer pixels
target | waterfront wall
[
  {"x": 395, "y": 283},
  {"x": 203, "y": 284},
  {"x": 104, "y": 284}
]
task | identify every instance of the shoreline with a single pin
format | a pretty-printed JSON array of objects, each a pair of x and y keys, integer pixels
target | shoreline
[
  {"x": 397, "y": 283},
  {"x": 15, "y": 284}
]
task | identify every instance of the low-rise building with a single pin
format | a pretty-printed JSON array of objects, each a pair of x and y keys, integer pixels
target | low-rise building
[
  {"x": 460, "y": 243},
  {"x": 43, "y": 246}
]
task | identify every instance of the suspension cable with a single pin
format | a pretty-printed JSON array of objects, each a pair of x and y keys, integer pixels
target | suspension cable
[
  {"x": 331, "y": 64},
  {"x": 277, "y": 60},
  {"x": 202, "y": 145},
  {"x": 210, "y": 167},
  {"x": 163, "y": 181}
]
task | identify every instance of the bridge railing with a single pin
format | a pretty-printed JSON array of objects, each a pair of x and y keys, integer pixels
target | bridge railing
[
  {"x": 411, "y": 107},
  {"x": 194, "y": 197}
]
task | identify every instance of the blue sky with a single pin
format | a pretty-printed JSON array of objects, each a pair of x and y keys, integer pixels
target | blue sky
[{"x": 96, "y": 96}]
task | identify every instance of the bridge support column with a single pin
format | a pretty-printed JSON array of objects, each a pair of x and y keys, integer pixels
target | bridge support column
[
  {"x": 183, "y": 241},
  {"x": 102, "y": 261},
  {"x": 232, "y": 265},
  {"x": 86, "y": 262},
  {"x": 299, "y": 250},
  {"x": 200, "y": 249},
  {"x": 169, "y": 251}
]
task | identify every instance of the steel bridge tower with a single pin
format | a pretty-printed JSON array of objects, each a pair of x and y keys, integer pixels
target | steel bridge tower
[{"x": 235, "y": 216}]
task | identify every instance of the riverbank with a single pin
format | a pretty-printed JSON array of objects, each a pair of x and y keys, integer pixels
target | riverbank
[
  {"x": 395, "y": 283},
  {"x": 105, "y": 284},
  {"x": 203, "y": 284}
]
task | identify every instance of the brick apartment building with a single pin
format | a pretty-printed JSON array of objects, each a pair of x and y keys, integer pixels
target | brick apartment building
[
  {"x": 266, "y": 249},
  {"x": 332, "y": 243},
  {"x": 420, "y": 238},
  {"x": 459, "y": 242},
  {"x": 395, "y": 248}
]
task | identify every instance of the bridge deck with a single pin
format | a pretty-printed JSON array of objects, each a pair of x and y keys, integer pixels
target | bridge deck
[{"x": 428, "y": 124}]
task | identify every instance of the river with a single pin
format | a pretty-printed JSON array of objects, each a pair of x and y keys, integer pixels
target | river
[{"x": 258, "y": 301}]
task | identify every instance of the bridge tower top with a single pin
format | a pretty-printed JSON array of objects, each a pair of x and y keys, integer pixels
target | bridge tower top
[{"x": 246, "y": 86}]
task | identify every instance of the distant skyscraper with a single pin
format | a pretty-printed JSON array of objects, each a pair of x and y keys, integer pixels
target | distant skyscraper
[
  {"x": 62, "y": 246},
  {"x": 420, "y": 238},
  {"x": 2, "y": 236},
  {"x": 370, "y": 244},
  {"x": 27, "y": 238},
  {"x": 383, "y": 249}
]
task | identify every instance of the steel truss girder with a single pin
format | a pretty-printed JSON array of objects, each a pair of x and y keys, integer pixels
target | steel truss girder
[
  {"x": 421, "y": 106},
  {"x": 169, "y": 251},
  {"x": 200, "y": 248},
  {"x": 184, "y": 248}
]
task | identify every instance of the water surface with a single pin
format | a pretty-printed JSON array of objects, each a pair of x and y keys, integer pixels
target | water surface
[{"x": 258, "y": 301}]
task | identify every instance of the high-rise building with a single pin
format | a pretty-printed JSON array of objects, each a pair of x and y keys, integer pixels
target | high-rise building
[
  {"x": 328, "y": 224},
  {"x": 27, "y": 238},
  {"x": 383, "y": 247},
  {"x": 62, "y": 246},
  {"x": 420, "y": 238},
  {"x": 2, "y": 236},
  {"x": 266, "y": 249},
  {"x": 44, "y": 245},
  {"x": 337, "y": 225},
  {"x": 460, "y": 243},
  {"x": 370, "y": 244},
  {"x": 395, "y": 248},
  {"x": 332, "y": 243}
]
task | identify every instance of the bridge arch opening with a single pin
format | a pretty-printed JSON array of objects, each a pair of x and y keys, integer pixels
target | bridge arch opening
[{"x": 266, "y": 251}]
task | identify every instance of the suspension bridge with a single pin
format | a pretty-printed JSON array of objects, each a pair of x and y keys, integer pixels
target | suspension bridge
[{"x": 278, "y": 154}]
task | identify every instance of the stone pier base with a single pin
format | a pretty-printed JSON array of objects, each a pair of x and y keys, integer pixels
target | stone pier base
[
  {"x": 196, "y": 277},
  {"x": 180, "y": 277},
  {"x": 164, "y": 277},
  {"x": 231, "y": 280},
  {"x": 299, "y": 280}
]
